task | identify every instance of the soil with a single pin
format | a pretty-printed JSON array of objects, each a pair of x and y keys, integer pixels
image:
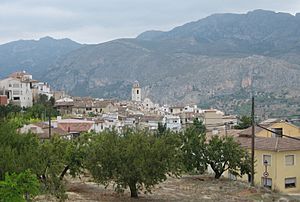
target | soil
[{"x": 186, "y": 188}]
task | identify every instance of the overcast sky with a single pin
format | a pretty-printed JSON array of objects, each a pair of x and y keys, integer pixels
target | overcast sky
[{"x": 95, "y": 21}]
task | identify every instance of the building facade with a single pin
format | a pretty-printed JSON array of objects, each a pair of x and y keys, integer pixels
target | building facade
[{"x": 136, "y": 92}]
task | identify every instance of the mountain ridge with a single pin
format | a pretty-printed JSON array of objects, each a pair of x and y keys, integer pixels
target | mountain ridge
[{"x": 217, "y": 61}]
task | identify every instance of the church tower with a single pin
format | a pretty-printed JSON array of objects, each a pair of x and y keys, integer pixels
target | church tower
[{"x": 136, "y": 92}]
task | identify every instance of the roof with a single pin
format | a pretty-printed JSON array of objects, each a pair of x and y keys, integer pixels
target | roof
[
  {"x": 58, "y": 104},
  {"x": 265, "y": 124},
  {"x": 73, "y": 125},
  {"x": 270, "y": 144},
  {"x": 91, "y": 103},
  {"x": 45, "y": 129},
  {"x": 151, "y": 118},
  {"x": 248, "y": 131},
  {"x": 18, "y": 74}
]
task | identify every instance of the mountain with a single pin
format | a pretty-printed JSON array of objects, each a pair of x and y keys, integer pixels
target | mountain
[
  {"x": 218, "y": 61},
  {"x": 34, "y": 56}
]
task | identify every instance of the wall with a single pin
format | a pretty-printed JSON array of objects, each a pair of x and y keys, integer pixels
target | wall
[{"x": 287, "y": 129}]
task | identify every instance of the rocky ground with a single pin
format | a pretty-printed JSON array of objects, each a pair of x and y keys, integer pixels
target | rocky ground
[{"x": 187, "y": 188}]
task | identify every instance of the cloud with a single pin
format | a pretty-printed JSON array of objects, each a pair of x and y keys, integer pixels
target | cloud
[{"x": 93, "y": 21}]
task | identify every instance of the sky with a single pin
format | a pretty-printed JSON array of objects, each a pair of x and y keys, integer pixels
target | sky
[{"x": 96, "y": 21}]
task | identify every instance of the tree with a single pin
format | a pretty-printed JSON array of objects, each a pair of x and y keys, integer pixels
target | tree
[
  {"x": 6, "y": 111},
  {"x": 244, "y": 122},
  {"x": 161, "y": 129},
  {"x": 198, "y": 126},
  {"x": 224, "y": 153},
  {"x": 60, "y": 156},
  {"x": 19, "y": 187},
  {"x": 134, "y": 159},
  {"x": 18, "y": 152},
  {"x": 193, "y": 147}
]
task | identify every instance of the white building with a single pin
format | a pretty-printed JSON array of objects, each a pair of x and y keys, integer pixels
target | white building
[
  {"x": 42, "y": 88},
  {"x": 17, "y": 90},
  {"x": 136, "y": 92},
  {"x": 172, "y": 122}
]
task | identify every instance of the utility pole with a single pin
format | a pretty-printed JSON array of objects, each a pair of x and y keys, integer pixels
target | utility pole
[
  {"x": 252, "y": 143},
  {"x": 49, "y": 123}
]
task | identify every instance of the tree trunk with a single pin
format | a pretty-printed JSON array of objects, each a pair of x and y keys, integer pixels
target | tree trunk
[
  {"x": 133, "y": 190},
  {"x": 217, "y": 175},
  {"x": 64, "y": 172}
]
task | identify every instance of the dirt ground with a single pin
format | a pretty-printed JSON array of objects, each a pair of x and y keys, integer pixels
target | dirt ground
[{"x": 186, "y": 188}]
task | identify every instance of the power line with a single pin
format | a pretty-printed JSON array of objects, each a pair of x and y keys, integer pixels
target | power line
[{"x": 294, "y": 138}]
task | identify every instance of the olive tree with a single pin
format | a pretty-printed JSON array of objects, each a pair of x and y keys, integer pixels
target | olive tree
[
  {"x": 135, "y": 159},
  {"x": 19, "y": 187},
  {"x": 224, "y": 153},
  {"x": 193, "y": 147}
]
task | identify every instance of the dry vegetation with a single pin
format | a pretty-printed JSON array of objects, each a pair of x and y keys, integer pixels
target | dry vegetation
[{"x": 187, "y": 188}]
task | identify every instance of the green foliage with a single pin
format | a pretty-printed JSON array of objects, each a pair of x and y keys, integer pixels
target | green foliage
[
  {"x": 60, "y": 156},
  {"x": 19, "y": 187},
  {"x": 161, "y": 129},
  {"x": 193, "y": 147},
  {"x": 198, "y": 126},
  {"x": 18, "y": 152},
  {"x": 9, "y": 110},
  {"x": 41, "y": 110},
  {"x": 244, "y": 122},
  {"x": 134, "y": 159},
  {"x": 224, "y": 153},
  {"x": 51, "y": 159}
]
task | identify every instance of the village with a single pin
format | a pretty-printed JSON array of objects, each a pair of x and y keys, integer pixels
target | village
[
  {"x": 274, "y": 151},
  {"x": 86, "y": 114}
]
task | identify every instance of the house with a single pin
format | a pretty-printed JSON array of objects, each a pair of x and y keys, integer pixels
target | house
[
  {"x": 280, "y": 157},
  {"x": 92, "y": 106},
  {"x": 150, "y": 122},
  {"x": 278, "y": 126},
  {"x": 42, "y": 130},
  {"x": 274, "y": 153},
  {"x": 187, "y": 118},
  {"x": 213, "y": 119},
  {"x": 176, "y": 109},
  {"x": 64, "y": 106},
  {"x": 17, "y": 90},
  {"x": 20, "y": 89},
  {"x": 108, "y": 121},
  {"x": 75, "y": 126},
  {"x": 172, "y": 122},
  {"x": 41, "y": 88}
]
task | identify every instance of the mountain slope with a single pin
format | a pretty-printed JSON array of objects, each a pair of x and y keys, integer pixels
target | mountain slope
[
  {"x": 35, "y": 56},
  {"x": 218, "y": 61}
]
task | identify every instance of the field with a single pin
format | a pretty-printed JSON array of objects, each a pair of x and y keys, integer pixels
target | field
[{"x": 186, "y": 188}]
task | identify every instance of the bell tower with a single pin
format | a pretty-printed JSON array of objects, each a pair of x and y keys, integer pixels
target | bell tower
[{"x": 136, "y": 92}]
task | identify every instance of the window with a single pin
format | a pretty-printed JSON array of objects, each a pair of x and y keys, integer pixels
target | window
[
  {"x": 267, "y": 158},
  {"x": 277, "y": 132},
  {"x": 290, "y": 182},
  {"x": 266, "y": 182},
  {"x": 289, "y": 160},
  {"x": 137, "y": 92},
  {"x": 16, "y": 85},
  {"x": 16, "y": 92}
]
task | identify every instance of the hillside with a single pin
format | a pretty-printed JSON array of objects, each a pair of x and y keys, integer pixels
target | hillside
[
  {"x": 217, "y": 61},
  {"x": 34, "y": 56}
]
